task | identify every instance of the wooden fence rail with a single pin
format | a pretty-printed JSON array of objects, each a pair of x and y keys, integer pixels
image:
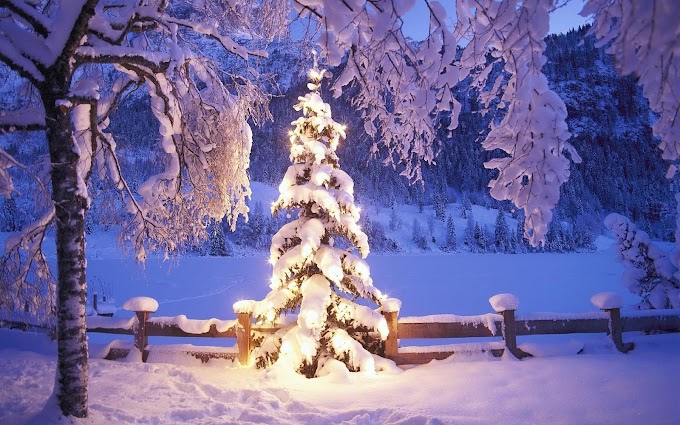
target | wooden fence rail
[
  {"x": 506, "y": 325},
  {"x": 503, "y": 325}
]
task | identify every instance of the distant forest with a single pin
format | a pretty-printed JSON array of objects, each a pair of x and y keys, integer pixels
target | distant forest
[{"x": 609, "y": 119}]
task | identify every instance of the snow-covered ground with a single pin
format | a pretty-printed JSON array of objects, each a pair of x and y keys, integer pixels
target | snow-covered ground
[{"x": 600, "y": 386}]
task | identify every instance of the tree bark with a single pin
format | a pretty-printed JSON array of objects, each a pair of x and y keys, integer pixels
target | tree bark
[{"x": 70, "y": 205}]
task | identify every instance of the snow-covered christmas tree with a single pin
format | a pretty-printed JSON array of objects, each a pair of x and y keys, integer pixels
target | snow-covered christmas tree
[{"x": 313, "y": 275}]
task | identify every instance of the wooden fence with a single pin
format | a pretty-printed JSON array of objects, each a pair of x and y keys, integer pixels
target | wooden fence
[
  {"x": 507, "y": 326},
  {"x": 503, "y": 325}
]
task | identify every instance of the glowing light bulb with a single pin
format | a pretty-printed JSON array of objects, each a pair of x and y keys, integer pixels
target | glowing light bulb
[{"x": 315, "y": 75}]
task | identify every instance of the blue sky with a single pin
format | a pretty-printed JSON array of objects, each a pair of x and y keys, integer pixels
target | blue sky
[{"x": 561, "y": 20}]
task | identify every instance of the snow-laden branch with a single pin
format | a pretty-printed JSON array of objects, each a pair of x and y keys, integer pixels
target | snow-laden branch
[
  {"x": 29, "y": 15},
  {"x": 27, "y": 283},
  {"x": 533, "y": 133},
  {"x": 28, "y": 119},
  {"x": 401, "y": 85}
]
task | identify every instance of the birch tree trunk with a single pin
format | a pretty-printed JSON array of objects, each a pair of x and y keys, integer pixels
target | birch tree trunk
[{"x": 70, "y": 205}]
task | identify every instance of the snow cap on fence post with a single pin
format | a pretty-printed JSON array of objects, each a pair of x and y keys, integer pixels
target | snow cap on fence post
[
  {"x": 141, "y": 304},
  {"x": 390, "y": 305},
  {"x": 607, "y": 300},
  {"x": 504, "y": 302},
  {"x": 244, "y": 306}
]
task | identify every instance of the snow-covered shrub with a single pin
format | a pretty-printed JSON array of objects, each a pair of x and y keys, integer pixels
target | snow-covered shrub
[{"x": 648, "y": 269}]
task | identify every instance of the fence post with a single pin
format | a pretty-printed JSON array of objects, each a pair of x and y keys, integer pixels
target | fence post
[
  {"x": 243, "y": 338},
  {"x": 142, "y": 307},
  {"x": 390, "y": 311},
  {"x": 392, "y": 341},
  {"x": 611, "y": 303},
  {"x": 616, "y": 330},
  {"x": 141, "y": 336},
  {"x": 510, "y": 334},
  {"x": 506, "y": 305}
]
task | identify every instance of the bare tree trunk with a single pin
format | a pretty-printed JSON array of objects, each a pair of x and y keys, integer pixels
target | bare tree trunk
[{"x": 70, "y": 205}]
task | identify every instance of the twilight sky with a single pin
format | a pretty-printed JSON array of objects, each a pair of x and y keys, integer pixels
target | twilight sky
[{"x": 561, "y": 20}]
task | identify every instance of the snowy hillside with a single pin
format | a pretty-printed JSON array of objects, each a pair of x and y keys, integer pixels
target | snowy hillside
[{"x": 409, "y": 228}]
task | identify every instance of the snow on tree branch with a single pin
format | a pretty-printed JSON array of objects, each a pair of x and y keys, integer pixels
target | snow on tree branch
[
  {"x": 401, "y": 85},
  {"x": 533, "y": 133},
  {"x": 24, "y": 270},
  {"x": 104, "y": 50}
]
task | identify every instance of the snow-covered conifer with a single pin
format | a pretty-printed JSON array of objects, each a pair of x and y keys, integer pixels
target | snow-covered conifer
[
  {"x": 480, "y": 238},
  {"x": 469, "y": 235},
  {"x": 648, "y": 270},
  {"x": 418, "y": 236},
  {"x": 312, "y": 276},
  {"x": 465, "y": 206},
  {"x": 439, "y": 205},
  {"x": 450, "y": 241},
  {"x": 501, "y": 233},
  {"x": 218, "y": 246}
]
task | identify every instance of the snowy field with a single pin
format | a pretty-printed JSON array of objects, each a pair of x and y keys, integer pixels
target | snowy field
[{"x": 600, "y": 386}]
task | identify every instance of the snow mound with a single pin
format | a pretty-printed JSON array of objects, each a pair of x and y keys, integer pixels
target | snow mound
[
  {"x": 503, "y": 302},
  {"x": 141, "y": 304},
  {"x": 607, "y": 300}
]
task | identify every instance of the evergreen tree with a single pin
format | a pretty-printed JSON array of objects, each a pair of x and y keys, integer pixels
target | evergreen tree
[
  {"x": 583, "y": 235},
  {"x": 450, "y": 244},
  {"x": 513, "y": 243},
  {"x": 258, "y": 226},
  {"x": 439, "y": 205},
  {"x": 311, "y": 275},
  {"x": 217, "y": 241},
  {"x": 501, "y": 233},
  {"x": 465, "y": 206},
  {"x": 480, "y": 238},
  {"x": 469, "y": 235},
  {"x": 418, "y": 236}
]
